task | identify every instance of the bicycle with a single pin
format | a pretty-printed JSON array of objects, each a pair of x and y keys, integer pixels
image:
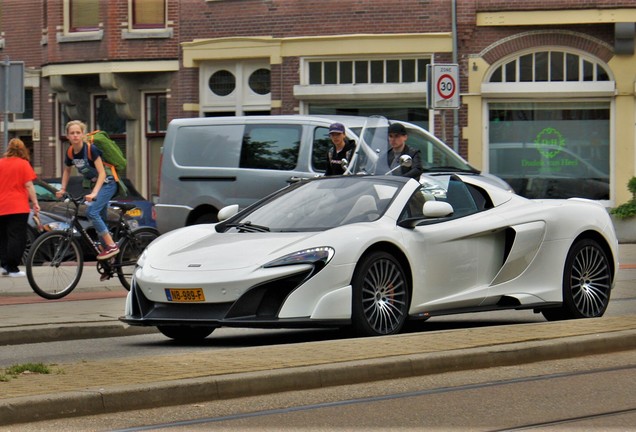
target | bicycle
[{"x": 55, "y": 261}]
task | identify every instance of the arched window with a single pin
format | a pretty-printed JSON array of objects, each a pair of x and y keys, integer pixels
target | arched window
[{"x": 549, "y": 66}]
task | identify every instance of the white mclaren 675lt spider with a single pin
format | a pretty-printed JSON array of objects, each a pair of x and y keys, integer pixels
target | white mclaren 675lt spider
[{"x": 371, "y": 252}]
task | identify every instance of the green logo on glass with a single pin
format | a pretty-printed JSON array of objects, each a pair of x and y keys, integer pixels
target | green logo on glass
[{"x": 549, "y": 142}]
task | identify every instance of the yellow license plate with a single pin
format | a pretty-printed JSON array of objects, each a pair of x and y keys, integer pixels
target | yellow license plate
[
  {"x": 185, "y": 295},
  {"x": 136, "y": 212}
]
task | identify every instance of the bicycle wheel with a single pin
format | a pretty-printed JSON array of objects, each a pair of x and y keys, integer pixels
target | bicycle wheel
[
  {"x": 129, "y": 250},
  {"x": 54, "y": 265}
]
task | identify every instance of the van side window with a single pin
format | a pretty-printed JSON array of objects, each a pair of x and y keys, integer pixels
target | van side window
[
  {"x": 203, "y": 146},
  {"x": 270, "y": 147},
  {"x": 319, "y": 150}
]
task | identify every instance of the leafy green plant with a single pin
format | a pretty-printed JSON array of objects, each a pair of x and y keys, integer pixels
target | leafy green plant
[
  {"x": 628, "y": 209},
  {"x": 28, "y": 367},
  {"x": 15, "y": 370}
]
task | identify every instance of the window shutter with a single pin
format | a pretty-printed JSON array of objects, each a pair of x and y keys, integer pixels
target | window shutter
[
  {"x": 84, "y": 15},
  {"x": 149, "y": 13}
]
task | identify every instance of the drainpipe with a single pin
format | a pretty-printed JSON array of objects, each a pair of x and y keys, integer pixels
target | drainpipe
[{"x": 455, "y": 111}]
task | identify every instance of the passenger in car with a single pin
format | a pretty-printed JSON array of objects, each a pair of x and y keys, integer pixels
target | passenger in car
[{"x": 340, "y": 153}]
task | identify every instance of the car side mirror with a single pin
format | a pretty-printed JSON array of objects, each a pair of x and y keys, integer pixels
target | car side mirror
[
  {"x": 227, "y": 212},
  {"x": 405, "y": 161},
  {"x": 436, "y": 209}
]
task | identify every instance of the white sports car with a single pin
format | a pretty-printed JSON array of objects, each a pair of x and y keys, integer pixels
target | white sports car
[{"x": 372, "y": 252}]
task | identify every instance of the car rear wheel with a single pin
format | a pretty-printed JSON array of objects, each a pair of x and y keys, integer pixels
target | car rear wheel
[
  {"x": 381, "y": 296},
  {"x": 186, "y": 333},
  {"x": 587, "y": 281}
]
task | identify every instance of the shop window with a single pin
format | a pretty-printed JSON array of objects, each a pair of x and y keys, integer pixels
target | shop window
[
  {"x": 406, "y": 111},
  {"x": 551, "y": 149}
]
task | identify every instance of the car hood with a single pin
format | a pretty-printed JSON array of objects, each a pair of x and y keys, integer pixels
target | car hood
[{"x": 201, "y": 248}]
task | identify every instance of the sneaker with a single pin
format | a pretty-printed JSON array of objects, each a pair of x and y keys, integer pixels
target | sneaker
[
  {"x": 5, "y": 272},
  {"x": 104, "y": 277},
  {"x": 17, "y": 274},
  {"x": 108, "y": 252}
]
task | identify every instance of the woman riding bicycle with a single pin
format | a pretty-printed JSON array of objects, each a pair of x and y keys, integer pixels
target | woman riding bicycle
[{"x": 104, "y": 187}]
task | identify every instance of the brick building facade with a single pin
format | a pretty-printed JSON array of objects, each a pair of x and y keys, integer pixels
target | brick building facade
[{"x": 545, "y": 69}]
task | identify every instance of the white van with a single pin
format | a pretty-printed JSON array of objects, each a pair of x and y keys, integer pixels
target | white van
[{"x": 208, "y": 163}]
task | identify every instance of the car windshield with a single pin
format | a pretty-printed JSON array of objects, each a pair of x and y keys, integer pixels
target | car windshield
[
  {"x": 372, "y": 149},
  {"x": 43, "y": 192},
  {"x": 319, "y": 205}
]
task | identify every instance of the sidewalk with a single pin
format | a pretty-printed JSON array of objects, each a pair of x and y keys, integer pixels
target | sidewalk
[{"x": 95, "y": 387}]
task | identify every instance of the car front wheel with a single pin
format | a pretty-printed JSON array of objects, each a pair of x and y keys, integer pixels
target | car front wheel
[
  {"x": 381, "y": 296},
  {"x": 587, "y": 282}
]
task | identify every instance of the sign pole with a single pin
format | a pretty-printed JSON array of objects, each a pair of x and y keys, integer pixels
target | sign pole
[{"x": 5, "y": 104}]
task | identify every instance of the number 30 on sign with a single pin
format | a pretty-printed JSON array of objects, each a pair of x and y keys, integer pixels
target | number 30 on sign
[{"x": 443, "y": 86}]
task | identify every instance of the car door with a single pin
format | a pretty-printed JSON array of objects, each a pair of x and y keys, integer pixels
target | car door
[{"x": 455, "y": 258}]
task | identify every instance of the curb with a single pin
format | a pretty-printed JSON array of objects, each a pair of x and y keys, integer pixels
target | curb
[
  {"x": 68, "y": 331},
  {"x": 221, "y": 387}
]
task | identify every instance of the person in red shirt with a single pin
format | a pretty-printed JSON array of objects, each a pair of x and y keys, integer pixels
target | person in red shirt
[{"x": 16, "y": 188}]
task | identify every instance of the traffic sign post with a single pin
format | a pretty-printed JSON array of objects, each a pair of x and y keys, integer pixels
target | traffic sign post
[
  {"x": 11, "y": 93},
  {"x": 443, "y": 86}
]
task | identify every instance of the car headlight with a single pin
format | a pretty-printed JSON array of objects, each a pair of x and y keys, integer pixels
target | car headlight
[{"x": 319, "y": 255}]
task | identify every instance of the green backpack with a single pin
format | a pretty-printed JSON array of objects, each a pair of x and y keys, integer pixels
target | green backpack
[
  {"x": 112, "y": 154},
  {"x": 112, "y": 157}
]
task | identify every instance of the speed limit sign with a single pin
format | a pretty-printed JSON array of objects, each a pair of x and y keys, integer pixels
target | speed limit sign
[
  {"x": 446, "y": 86},
  {"x": 443, "y": 86}
]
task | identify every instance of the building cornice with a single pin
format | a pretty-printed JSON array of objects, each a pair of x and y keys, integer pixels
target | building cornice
[
  {"x": 556, "y": 17},
  {"x": 234, "y": 48},
  {"x": 111, "y": 67}
]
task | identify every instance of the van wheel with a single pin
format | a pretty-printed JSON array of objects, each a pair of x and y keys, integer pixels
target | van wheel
[{"x": 205, "y": 219}]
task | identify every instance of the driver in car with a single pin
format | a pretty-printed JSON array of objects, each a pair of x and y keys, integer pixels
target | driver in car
[{"x": 397, "y": 142}]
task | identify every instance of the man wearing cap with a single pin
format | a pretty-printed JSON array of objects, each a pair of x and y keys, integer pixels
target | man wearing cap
[
  {"x": 342, "y": 149},
  {"x": 397, "y": 141}
]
